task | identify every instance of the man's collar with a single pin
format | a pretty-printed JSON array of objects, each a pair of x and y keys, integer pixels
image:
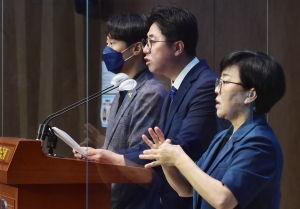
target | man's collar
[{"x": 184, "y": 72}]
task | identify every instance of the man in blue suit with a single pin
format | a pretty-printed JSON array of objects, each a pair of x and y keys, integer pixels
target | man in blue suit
[{"x": 188, "y": 117}]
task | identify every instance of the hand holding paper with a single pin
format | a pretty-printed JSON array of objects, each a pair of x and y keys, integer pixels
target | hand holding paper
[{"x": 68, "y": 140}]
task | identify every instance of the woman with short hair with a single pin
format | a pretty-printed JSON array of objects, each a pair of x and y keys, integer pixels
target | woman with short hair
[{"x": 243, "y": 165}]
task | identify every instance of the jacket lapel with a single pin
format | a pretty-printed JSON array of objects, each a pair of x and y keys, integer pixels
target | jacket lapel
[
  {"x": 235, "y": 138},
  {"x": 130, "y": 96},
  {"x": 181, "y": 93},
  {"x": 114, "y": 107},
  {"x": 164, "y": 113},
  {"x": 208, "y": 161},
  {"x": 184, "y": 87}
]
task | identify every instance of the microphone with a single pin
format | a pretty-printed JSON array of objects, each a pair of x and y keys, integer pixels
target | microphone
[{"x": 120, "y": 81}]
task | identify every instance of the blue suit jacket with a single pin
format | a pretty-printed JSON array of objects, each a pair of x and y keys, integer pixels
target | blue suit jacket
[
  {"x": 190, "y": 122},
  {"x": 250, "y": 165}
]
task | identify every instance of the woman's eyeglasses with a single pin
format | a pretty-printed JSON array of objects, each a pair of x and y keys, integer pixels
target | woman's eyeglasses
[{"x": 220, "y": 82}]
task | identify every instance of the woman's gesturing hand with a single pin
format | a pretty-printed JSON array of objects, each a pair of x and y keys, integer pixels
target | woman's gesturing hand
[{"x": 157, "y": 136}]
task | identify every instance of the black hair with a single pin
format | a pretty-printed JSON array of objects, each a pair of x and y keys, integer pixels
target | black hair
[
  {"x": 259, "y": 71},
  {"x": 130, "y": 28},
  {"x": 176, "y": 24}
]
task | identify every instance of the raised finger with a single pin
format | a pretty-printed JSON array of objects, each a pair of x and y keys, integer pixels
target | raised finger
[
  {"x": 146, "y": 157},
  {"x": 147, "y": 141},
  {"x": 150, "y": 152},
  {"x": 152, "y": 164},
  {"x": 153, "y": 135},
  {"x": 160, "y": 134}
]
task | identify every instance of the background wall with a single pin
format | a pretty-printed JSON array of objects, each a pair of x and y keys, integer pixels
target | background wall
[
  {"x": 49, "y": 61},
  {"x": 284, "y": 44},
  {"x": 46, "y": 68}
]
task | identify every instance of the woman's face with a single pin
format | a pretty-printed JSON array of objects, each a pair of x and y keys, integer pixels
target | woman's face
[{"x": 230, "y": 96}]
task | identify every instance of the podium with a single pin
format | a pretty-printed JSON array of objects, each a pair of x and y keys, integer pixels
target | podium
[{"x": 32, "y": 180}]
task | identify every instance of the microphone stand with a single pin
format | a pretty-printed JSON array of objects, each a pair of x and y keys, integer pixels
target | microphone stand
[{"x": 46, "y": 130}]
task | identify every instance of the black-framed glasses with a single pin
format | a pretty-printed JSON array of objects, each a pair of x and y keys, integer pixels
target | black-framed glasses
[
  {"x": 149, "y": 42},
  {"x": 220, "y": 82}
]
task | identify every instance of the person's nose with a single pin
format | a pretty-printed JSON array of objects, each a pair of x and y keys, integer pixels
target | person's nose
[
  {"x": 146, "y": 49},
  {"x": 217, "y": 89}
]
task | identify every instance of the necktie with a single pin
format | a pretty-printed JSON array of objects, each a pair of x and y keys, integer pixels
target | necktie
[{"x": 172, "y": 93}]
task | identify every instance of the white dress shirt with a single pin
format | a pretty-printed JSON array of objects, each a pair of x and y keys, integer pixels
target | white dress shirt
[{"x": 184, "y": 72}]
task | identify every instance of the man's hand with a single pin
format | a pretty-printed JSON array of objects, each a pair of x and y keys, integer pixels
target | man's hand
[{"x": 100, "y": 155}]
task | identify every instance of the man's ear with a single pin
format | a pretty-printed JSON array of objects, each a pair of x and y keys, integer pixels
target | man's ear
[
  {"x": 179, "y": 47},
  {"x": 137, "y": 48},
  {"x": 251, "y": 96}
]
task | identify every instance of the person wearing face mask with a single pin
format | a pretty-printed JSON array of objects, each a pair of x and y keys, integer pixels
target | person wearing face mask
[
  {"x": 113, "y": 59},
  {"x": 132, "y": 112}
]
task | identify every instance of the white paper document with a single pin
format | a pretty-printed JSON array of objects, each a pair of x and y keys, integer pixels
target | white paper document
[{"x": 68, "y": 140}]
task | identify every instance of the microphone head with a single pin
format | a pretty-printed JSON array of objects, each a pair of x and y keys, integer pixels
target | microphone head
[
  {"x": 127, "y": 85},
  {"x": 119, "y": 78}
]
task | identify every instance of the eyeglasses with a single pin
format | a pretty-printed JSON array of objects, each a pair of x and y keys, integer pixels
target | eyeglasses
[
  {"x": 149, "y": 42},
  {"x": 220, "y": 82}
]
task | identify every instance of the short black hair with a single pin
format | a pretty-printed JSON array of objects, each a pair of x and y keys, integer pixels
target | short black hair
[
  {"x": 130, "y": 28},
  {"x": 176, "y": 24},
  {"x": 259, "y": 71}
]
